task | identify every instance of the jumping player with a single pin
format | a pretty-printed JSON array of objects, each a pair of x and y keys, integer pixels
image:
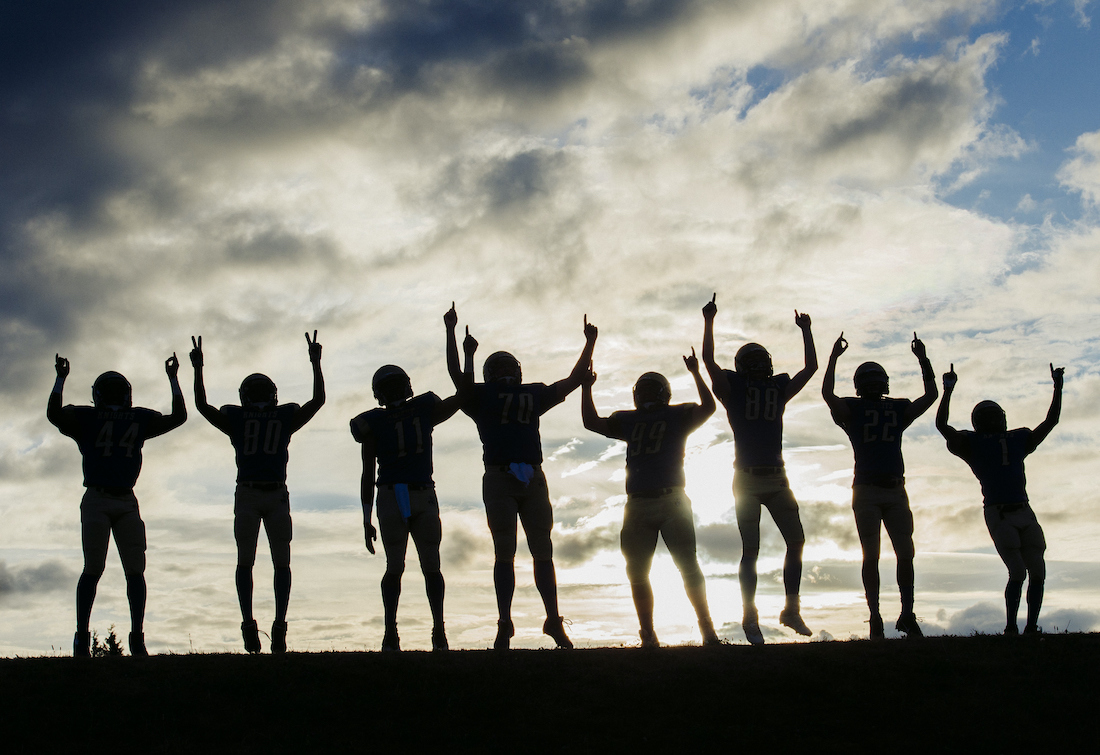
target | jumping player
[
  {"x": 260, "y": 430},
  {"x": 874, "y": 424},
  {"x": 755, "y": 400},
  {"x": 996, "y": 456},
  {"x": 399, "y": 437},
  {"x": 110, "y": 436},
  {"x": 656, "y": 434},
  {"x": 506, "y": 411}
]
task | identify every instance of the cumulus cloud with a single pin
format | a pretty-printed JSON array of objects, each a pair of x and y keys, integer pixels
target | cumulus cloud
[
  {"x": 45, "y": 577},
  {"x": 1082, "y": 172}
]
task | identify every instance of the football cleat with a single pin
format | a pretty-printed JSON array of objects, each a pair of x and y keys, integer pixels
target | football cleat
[
  {"x": 137, "y": 645},
  {"x": 439, "y": 639},
  {"x": 251, "y": 634},
  {"x": 878, "y": 632},
  {"x": 505, "y": 632},
  {"x": 790, "y": 617},
  {"x": 652, "y": 389},
  {"x": 82, "y": 645},
  {"x": 555, "y": 628},
  {"x": 649, "y": 638},
  {"x": 391, "y": 643},
  {"x": 1032, "y": 629},
  {"x": 1011, "y": 630},
  {"x": 278, "y": 637},
  {"x": 750, "y": 623},
  {"x": 907, "y": 623}
]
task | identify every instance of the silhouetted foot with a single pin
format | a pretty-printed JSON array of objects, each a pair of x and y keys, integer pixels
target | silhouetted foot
[
  {"x": 878, "y": 632},
  {"x": 82, "y": 645},
  {"x": 1032, "y": 629},
  {"x": 391, "y": 643},
  {"x": 1012, "y": 630},
  {"x": 137, "y": 645},
  {"x": 649, "y": 638},
  {"x": 907, "y": 623},
  {"x": 791, "y": 617},
  {"x": 278, "y": 637},
  {"x": 750, "y": 623},
  {"x": 251, "y": 636},
  {"x": 556, "y": 630},
  {"x": 505, "y": 632},
  {"x": 439, "y": 639}
]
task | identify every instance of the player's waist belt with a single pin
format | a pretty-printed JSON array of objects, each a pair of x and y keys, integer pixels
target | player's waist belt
[
  {"x": 655, "y": 493},
  {"x": 760, "y": 470},
  {"x": 261, "y": 485},
  {"x": 106, "y": 490},
  {"x": 881, "y": 481},
  {"x": 506, "y": 467},
  {"x": 1008, "y": 507},
  {"x": 409, "y": 485}
]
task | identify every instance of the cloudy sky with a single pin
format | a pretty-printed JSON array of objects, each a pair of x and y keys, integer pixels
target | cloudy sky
[{"x": 248, "y": 171}]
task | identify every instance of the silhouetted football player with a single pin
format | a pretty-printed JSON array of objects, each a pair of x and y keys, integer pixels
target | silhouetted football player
[
  {"x": 259, "y": 430},
  {"x": 110, "y": 435},
  {"x": 874, "y": 424},
  {"x": 656, "y": 435},
  {"x": 996, "y": 456},
  {"x": 755, "y": 400},
  {"x": 399, "y": 437},
  {"x": 506, "y": 411}
]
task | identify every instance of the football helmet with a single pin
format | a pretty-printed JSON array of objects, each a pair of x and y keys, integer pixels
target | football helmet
[
  {"x": 988, "y": 417},
  {"x": 651, "y": 388},
  {"x": 391, "y": 385},
  {"x": 258, "y": 392},
  {"x": 111, "y": 389},
  {"x": 871, "y": 378},
  {"x": 502, "y": 367},
  {"x": 754, "y": 361}
]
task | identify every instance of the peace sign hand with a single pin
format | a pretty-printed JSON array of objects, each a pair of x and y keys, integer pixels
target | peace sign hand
[
  {"x": 196, "y": 352},
  {"x": 314, "y": 348}
]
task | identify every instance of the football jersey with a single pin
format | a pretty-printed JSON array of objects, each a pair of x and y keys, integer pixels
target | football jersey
[
  {"x": 997, "y": 460},
  {"x": 402, "y": 438},
  {"x": 874, "y": 428},
  {"x": 110, "y": 441},
  {"x": 755, "y": 411},
  {"x": 507, "y": 419},
  {"x": 655, "y": 443},
  {"x": 261, "y": 440}
]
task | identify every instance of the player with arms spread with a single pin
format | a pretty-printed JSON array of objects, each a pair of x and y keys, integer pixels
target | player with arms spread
[
  {"x": 656, "y": 435},
  {"x": 506, "y": 411},
  {"x": 874, "y": 424},
  {"x": 398, "y": 437},
  {"x": 259, "y": 430},
  {"x": 996, "y": 456},
  {"x": 110, "y": 435},
  {"x": 755, "y": 400}
]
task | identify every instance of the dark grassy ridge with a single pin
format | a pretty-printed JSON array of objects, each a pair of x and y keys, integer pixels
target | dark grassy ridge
[{"x": 947, "y": 694}]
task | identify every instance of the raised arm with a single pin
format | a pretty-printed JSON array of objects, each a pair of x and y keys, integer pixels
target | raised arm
[
  {"x": 583, "y": 366},
  {"x": 1043, "y": 429},
  {"x": 212, "y": 415},
  {"x": 366, "y": 491},
  {"x": 798, "y": 382},
  {"x": 454, "y": 369},
  {"x": 717, "y": 375},
  {"x": 837, "y": 406},
  {"x": 931, "y": 392},
  {"x": 311, "y": 407},
  {"x": 179, "y": 407},
  {"x": 446, "y": 409},
  {"x": 589, "y": 416},
  {"x": 53, "y": 406},
  {"x": 949, "y": 381},
  {"x": 705, "y": 407}
]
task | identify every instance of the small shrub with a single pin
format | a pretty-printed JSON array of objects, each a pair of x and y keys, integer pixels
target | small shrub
[{"x": 107, "y": 647}]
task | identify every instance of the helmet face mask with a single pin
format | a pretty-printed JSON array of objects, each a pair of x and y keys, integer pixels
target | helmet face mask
[
  {"x": 502, "y": 367},
  {"x": 391, "y": 385},
  {"x": 988, "y": 417},
  {"x": 652, "y": 390},
  {"x": 753, "y": 361},
  {"x": 871, "y": 380},
  {"x": 112, "y": 390},
  {"x": 258, "y": 392}
]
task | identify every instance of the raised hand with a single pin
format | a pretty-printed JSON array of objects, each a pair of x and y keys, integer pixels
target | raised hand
[
  {"x": 918, "y": 347},
  {"x": 588, "y": 378},
  {"x": 196, "y": 352},
  {"x": 172, "y": 366},
  {"x": 61, "y": 364},
  {"x": 469, "y": 343},
  {"x": 802, "y": 320},
  {"x": 590, "y": 330},
  {"x": 450, "y": 317},
  {"x": 840, "y": 346},
  {"x": 710, "y": 309},
  {"x": 314, "y": 348},
  {"x": 1057, "y": 374},
  {"x": 950, "y": 378},
  {"x": 692, "y": 362}
]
